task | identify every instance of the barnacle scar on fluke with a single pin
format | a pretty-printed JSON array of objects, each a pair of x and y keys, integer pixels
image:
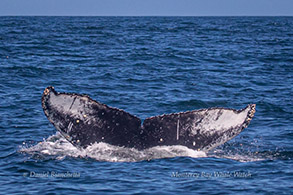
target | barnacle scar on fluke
[{"x": 84, "y": 121}]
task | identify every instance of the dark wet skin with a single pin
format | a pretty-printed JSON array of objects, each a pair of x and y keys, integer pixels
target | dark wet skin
[{"x": 84, "y": 121}]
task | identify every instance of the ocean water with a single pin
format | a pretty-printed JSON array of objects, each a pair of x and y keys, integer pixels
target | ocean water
[{"x": 147, "y": 66}]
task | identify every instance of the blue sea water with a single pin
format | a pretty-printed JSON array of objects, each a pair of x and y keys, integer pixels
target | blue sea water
[{"x": 147, "y": 66}]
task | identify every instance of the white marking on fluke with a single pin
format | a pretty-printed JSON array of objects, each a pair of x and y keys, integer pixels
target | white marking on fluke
[
  {"x": 70, "y": 126},
  {"x": 178, "y": 129}
]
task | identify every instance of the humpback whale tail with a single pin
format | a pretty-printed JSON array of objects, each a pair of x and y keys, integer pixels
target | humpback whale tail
[{"x": 84, "y": 121}]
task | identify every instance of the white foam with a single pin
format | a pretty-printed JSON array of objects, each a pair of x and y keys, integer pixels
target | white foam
[
  {"x": 243, "y": 158},
  {"x": 238, "y": 156},
  {"x": 60, "y": 148}
]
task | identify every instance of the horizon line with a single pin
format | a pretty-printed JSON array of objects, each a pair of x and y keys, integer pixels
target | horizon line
[{"x": 146, "y": 15}]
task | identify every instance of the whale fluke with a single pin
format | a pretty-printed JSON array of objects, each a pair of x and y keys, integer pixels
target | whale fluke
[{"x": 84, "y": 121}]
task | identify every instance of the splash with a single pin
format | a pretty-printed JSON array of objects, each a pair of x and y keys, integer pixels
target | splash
[
  {"x": 245, "y": 150},
  {"x": 241, "y": 157},
  {"x": 58, "y": 147}
]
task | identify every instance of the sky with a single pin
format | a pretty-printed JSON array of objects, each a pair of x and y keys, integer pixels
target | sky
[{"x": 146, "y": 7}]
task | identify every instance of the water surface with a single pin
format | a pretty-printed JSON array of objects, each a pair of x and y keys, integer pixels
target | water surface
[{"x": 147, "y": 66}]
